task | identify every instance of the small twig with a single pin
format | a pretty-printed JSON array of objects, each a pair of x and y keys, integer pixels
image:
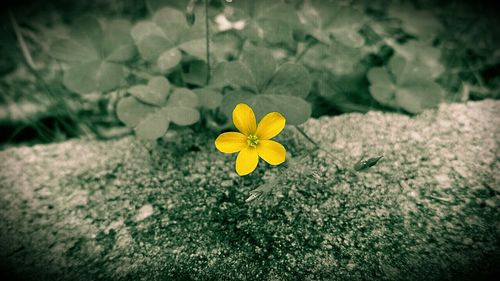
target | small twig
[{"x": 207, "y": 41}]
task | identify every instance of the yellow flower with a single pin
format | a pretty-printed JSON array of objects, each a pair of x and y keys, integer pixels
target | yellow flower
[{"x": 253, "y": 140}]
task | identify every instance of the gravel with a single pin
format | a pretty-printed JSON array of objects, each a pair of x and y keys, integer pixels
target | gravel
[{"x": 176, "y": 210}]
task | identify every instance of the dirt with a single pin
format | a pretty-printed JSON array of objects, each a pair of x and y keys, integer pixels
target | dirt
[{"x": 176, "y": 210}]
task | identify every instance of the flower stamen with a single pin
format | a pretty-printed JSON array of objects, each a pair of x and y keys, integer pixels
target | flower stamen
[{"x": 252, "y": 141}]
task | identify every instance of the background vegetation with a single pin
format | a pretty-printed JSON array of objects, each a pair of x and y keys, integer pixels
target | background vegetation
[{"x": 84, "y": 69}]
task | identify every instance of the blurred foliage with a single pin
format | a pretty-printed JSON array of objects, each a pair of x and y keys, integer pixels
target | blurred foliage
[
  {"x": 95, "y": 53},
  {"x": 148, "y": 59},
  {"x": 256, "y": 80},
  {"x": 149, "y": 111}
]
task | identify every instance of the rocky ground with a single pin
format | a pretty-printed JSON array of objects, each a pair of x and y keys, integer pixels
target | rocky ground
[{"x": 125, "y": 210}]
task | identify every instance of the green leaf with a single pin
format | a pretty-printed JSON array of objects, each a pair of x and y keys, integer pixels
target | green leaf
[
  {"x": 159, "y": 85},
  {"x": 183, "y": 97},
  {"x": 234, "y": 74},
  {"x": 154, "y": 126},
  {"x": 166, "y": 35},
  {"x": 169, "y": 59},
  {"x": 183, "y": 116},
  {"x": 112, "y": 44},
  {"x": 155, "y": 93},
  {"x": 296, "y": 110},
  {"x": 93, "y": 76},
  {"x": 196, "y": 73},
  {"x": 208, "y": 98},
  {"x": 172, "y": 22},
  {"x": 87, "y": 31},
  {"x": 226, "y": 45},
  {"x": 409, "y": 70},
  {"x": 95, "y": 52},
  {"x": 379, "y": 75},
  {"x": 261, "y": 64},
  {"x": 384, "y": 94},
  {"x": 423, "y": 56},
  {"x": 421, "y": 23},
  {"x": 336, "y": 58},
  {"x": 149, "y": 117},
  {"x": 412, "y": 90},
  {"x": 290, "y": 79},
  {"x": 349, "y": 37},
  {"x": 195, "y": 48},
  {"x": 232, "y": 98},
  {"x": 279, "y": 11},
  {"x": 272, "y": 22},
  {"x": 145, "y": 29},
  {"x": 131, "y": 111},
  {"x": 117, "y": 44},
  {"x": 150, "y": 40},
  {"x": 276, "y": 32},
  {"x": 418, "y": 96},
  {"x": 155, "y": 5},
  {"x": 142, "y": 93},
  {"x": 397, "y": 65},
  {"x": 343, "y": 24},
  {"x": 72, "y": 51},
  {"x": 152, "y": 47}
]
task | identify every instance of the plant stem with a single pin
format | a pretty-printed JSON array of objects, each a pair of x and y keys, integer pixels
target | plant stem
[
  {"x": 207, "y": 41},
  {"x": 305, "y": 135},
  {"x": 299, "y": 56}
]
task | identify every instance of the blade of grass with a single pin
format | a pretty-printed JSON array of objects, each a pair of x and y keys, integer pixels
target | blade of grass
[{"x": 55, "y": 99}]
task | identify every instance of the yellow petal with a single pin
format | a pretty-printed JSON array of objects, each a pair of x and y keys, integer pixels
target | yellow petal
[
  {"x": 246, "y": 161},
  {"x": 272, "y": 152},
  {"x": 231, "y": 142},
  {"x": 270, "y": 125},
  {"x": 244, "y": 119}
]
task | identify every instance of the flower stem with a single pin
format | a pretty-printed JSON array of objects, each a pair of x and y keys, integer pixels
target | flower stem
[{"x": 207, "y": 41}]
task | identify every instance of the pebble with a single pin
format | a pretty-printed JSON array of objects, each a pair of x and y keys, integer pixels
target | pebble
[{"x": 144, "y": 212}]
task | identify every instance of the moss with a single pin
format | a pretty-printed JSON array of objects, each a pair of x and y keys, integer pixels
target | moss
[{"x": 426, "y": 211}]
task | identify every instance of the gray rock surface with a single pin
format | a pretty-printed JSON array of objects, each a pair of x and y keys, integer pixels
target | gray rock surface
[{"x": 123, "y": 210}]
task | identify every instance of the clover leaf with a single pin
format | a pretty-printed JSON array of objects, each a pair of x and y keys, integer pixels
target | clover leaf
[
  {"x": 95, "y": 53},
  {"x": 425, "y": 55},
  {"x": 155, "y": 5},
  {"x": 402, "y": 85},
  {"x": 420, "y": 23},
  {"x": 339, "y": 72},
  {"x": 337, "y": 58},
  {"x": 295, "y": 109},
  {"x": 258, "y": 81},
  {"x": 272, "y": 22},
  {"x": 208, "y": 98},
  {"x": 195, "y": 73},
  {"x": 226, "y": 45},
  {"x": 167, "y": 36},
  {"x": 151, "y": 108},
  {"x": 325, "y": 20}
]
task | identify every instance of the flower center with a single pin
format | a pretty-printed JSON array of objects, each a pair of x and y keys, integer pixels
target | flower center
[{"x": 252, "y": 141}]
